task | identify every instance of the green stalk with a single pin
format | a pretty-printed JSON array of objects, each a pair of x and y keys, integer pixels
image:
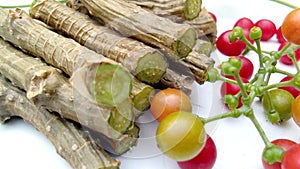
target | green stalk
[
  {"x": 259, "y": 52},
  {"x": 233, "y": 113},
  {"x": 284, "y": 72},
  {"x": 225, "y": 79},
  {"x": 277, "y": 85},
  {"x": 260, "y": 130},
  {"x": 241, "y": 85},
  {"x": 286, "y": 4},
  {"x": 27, "y": 5},
  {"x": 15, "y": 6}
]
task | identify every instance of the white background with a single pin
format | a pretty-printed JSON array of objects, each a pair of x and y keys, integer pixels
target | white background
[{"x": 238, "y": 143}]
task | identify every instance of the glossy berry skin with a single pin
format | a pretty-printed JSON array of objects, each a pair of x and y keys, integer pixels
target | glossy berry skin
[
  {"x": 227, "y": 48},
  {"x": 291, "y": 26},
  {"x": 213, "y": 16},
  {"x": 291, "y": 158},
  {"x": 296, "y": 110},
  {"x": 285, "y": 144},
  {"x": 168, "y": 101},
  {"x": 232, "y": 89},
  {"x": 279, "y": 36},
  {"x": 245, "y": 23},
  {"x": 290, "y": 89},
  {"x": 268, "y": 28},
  {"x": 285, "y": 58},
  {"x": 247, "y": 67},
  {"x": 282, "y": 102},
  {"x": 181, "y": 136},
  {"x": 205, "y": 159}
]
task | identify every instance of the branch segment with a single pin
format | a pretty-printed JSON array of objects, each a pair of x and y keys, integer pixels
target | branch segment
[
  {"x": 133, "y": 55},
  {"x": 48, "y": 88},
  {"x": 133, "y": 21},
  {"x": 72, "y": 144},
  {"x": 198, "y": 59},
  {"x": 146, "y": 63},
  {"x": 188, "y": 9},
  {"x": 67, "y": 55}
]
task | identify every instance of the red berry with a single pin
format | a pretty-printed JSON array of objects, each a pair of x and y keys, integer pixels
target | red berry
[
  {"x": 245, "y": 23},
  {"x": 213, "y": 16},
  {"x": 290, "y": 89},
  {"x": 268, "y": 28},
  {"x": 227, "y": 48},
  {"x": 285, "y": 59},
  {"x": 285, "y": 144},
  {"x": 232, "y": 89},
  {"x": 247, "y": 67},
  {"x": 205, "y": 159},
  {"x": 279, "y": 36}
]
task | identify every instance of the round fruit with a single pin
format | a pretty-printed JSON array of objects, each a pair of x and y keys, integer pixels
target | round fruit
[
  {"x": 247, "y": 67},
  {"x": 285, "y": 144},
  {"x": 296, "y": 110},
  {"x": 290, "y": 89},
  {"x": 205, "y": 159},
  {"x": 268, "y": 28},
  {"x": 285, "y": 59},
  {"x": 282, "y": 102},
  {"x": 245, "y": 23},
  {"x": 168, "y": 101},
  {"x": 227, "y": 48},
  {"x": 213, "y": 16},
  {"x": 291, "y": 158},
  {"x": 280, "y": 38},
  {"x": 181, "y": 136},
  {"x": 232, "y": 89},
  {"x": 290, "y": 27}
]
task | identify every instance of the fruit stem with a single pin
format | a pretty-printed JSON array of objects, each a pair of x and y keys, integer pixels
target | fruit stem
[
  {"x": 259, "y": 52},
  {"x": 224, "y": 79},
  {"x": 284, "y": 72},
  {"x": 241, "y": 85},
  {"x": 260, "y": 130},
  {"x": 24, "y": 6},
  {"x": 235, "y": 113},
  {"x": 15, "y": 6},
  {"x": 277, "y": 85},
  {"x": 293, "y": 58},
  {"x": 285, "y": 3}
]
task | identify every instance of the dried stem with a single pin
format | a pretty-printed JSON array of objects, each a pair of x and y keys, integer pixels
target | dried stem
[
  {"x": 72, "y": 144},
  {"x": 129, "y": 52},
  {"x": 48, "y": 88},
  {"x": 188, "y": 9},
  {"x": 133, "y": 21},
  {"x": 146, "y": 63},
  {"x": 69, "y": 56}
]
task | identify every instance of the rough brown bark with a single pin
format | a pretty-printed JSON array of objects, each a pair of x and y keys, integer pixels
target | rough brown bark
[
  {"x": 198, "y": 63},
  {"x": 204, "y": 25},
  {"x": 133, "y": 21},
  {"x": 105, "y": 41},
  {"x": 48, "y": 88},
  {"x": 72, "y": 144},
  {"x": 187, "y": 9},
  {"x": 144, "y": 62}
]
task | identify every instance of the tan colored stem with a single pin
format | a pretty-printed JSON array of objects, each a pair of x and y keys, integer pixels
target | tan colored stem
[
  {"x": 103, "y": 40},
  {"x": 48, "y": 88},
  {"x": 72, "y": 144},
  {"x": 133, "y": 21},
  {"x": 144, "y": 62},
  {"x": 187, "y": 9}
]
